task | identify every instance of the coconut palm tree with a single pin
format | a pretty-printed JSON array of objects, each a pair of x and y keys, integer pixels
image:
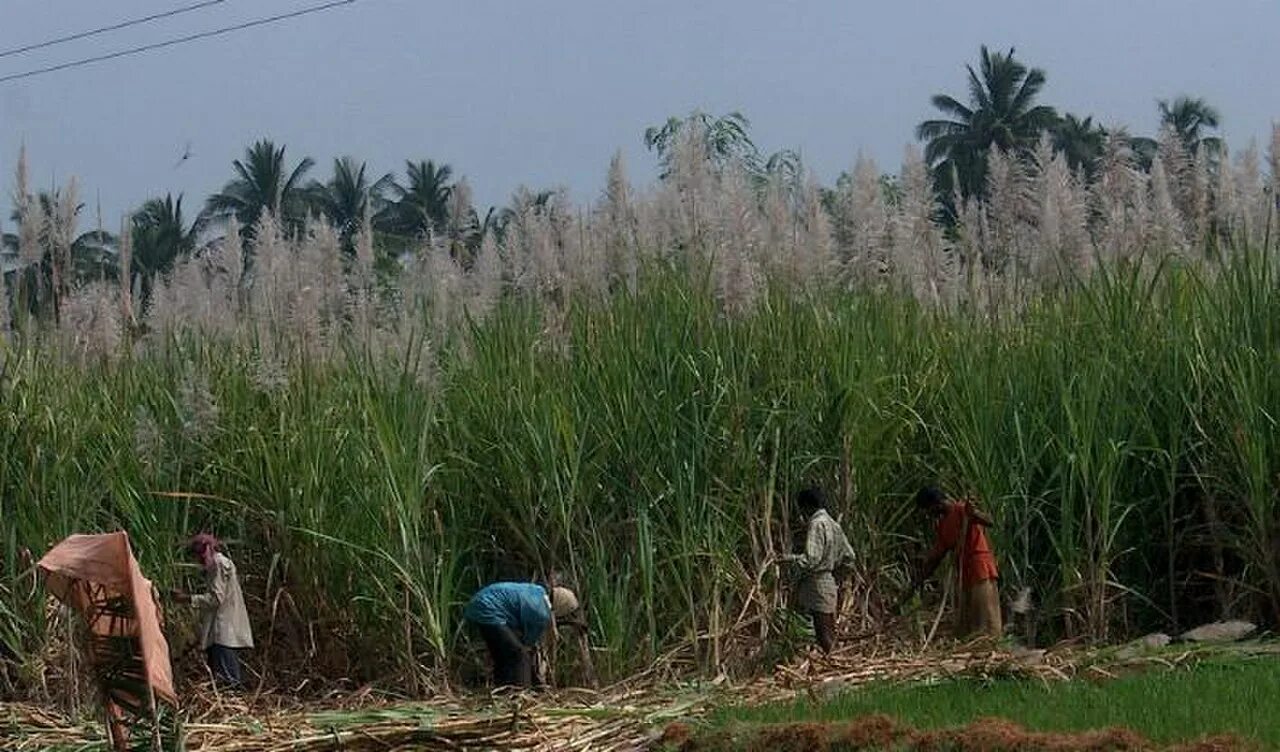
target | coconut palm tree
[
  {"x": 1002, "y": 113},
  {"x": 94, "y": 256},
  {"x": 494, "y": 222},
  {"x": 421, "y": 206},
  {"x": 160, "y": 237},
  {"x": 1144, "y": 151},
  {"x": 345, "y": 198},
  {"x": 1080, "y": 141},
  {"x": 1190, "y": 118},
  {"x": 524, "y": 202},
  {"x": 91, "y": 255},
  {"x": 263, "y": 181},
  {"x": 726, "y": 139}
]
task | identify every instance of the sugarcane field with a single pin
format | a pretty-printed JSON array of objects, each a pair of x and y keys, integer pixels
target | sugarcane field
[{"x": 380, "y": 376}]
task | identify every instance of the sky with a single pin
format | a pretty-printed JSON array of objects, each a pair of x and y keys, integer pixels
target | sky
[{"x": 513, "y": 92}]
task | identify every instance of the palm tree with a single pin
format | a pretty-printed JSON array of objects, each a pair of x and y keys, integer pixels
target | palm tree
[
  {"x": 494, "y": 223},
  {"x": 1144, "y": 151},
  {"x": 1001, "y": 113},
  {"x": 160, "y": 237},
  {"x": 263, "y": 181},
  {"x": 92, "y": 254},
  {"x": 347, "y": 196},
  {"x": 783, "y": 166},
  {"x": 726, "y": 139},
  {"x": 1190, "y": 118},
  {"x": 422, "y": 206},
  {"x": 1080, "y": 142},
  {"x": 524, "y": 202}
]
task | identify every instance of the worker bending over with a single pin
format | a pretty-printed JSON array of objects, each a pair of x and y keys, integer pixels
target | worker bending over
[
  {"x": 961, "y": 528},
  {"x": 512, "y": 617}
]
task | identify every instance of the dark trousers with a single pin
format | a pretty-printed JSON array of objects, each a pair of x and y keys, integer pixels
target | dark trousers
[
  {"x": 512, "y": 666},
  {"x": 824, "y": 628},
  {"x": 224, "y": 663}
]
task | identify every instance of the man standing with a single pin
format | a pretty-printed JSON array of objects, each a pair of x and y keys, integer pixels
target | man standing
[
  {"x": 961, "y": 528},
  {"x": 826, "y": 550},
  {"x": 224, "y": 620},
  {"x": 512, "y": 617}
]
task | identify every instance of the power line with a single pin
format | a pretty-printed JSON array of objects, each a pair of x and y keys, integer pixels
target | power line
[
  {"x": 113, "y": 27},
  {"x": 176, "y": 41}
]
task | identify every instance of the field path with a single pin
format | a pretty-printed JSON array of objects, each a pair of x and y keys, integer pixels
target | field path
[{"x": 627, "y": 716}]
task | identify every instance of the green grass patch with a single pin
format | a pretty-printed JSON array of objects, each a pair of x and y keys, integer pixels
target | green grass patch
[{"x": 1166, "y": 706}]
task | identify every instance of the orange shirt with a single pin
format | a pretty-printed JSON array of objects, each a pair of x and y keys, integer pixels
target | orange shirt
[{"x": 977, "y": 561}]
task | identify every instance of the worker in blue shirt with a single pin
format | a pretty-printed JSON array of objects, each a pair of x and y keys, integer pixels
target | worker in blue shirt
[{"x": 512, "y": 617}]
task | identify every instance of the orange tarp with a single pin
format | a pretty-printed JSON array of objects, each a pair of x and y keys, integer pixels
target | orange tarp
[{"x": 85, "y": 568}]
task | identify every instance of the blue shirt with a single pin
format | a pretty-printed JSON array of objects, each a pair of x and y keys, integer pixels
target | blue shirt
[{"x": 522, "y": 606}]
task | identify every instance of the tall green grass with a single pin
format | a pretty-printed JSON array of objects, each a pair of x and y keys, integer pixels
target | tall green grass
[{"x": 1122, "y": 432}]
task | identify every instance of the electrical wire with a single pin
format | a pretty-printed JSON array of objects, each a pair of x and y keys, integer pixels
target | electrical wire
[
  {"x": 175, "y": 41},
  {"x": 105, "y": 29}
]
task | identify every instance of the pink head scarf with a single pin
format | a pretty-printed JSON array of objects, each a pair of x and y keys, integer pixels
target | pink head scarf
[{"x": 204, "y": 546}]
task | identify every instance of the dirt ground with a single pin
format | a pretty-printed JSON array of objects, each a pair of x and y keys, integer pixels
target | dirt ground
[{"x": 641, "y": 714}]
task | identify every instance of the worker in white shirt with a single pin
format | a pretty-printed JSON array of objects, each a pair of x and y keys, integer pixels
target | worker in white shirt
[
  {"x": 826, "y": 550},
  {"x": 224, "y": 620}
]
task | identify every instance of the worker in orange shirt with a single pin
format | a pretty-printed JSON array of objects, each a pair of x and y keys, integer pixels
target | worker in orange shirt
[{"x": 961, "y": 528}]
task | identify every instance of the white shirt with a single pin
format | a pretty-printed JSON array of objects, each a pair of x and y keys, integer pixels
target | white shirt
[
  {"x": 825, "y": 549},
  {"x": 223, "y": 618}
]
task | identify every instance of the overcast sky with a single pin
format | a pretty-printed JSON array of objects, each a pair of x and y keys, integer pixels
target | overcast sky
[{"x": 516, "y": 92}]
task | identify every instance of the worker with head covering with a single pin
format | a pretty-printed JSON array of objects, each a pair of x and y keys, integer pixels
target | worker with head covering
[
  {"x": 512, "y": 618},
  {"x": 224, "y": 620}
]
